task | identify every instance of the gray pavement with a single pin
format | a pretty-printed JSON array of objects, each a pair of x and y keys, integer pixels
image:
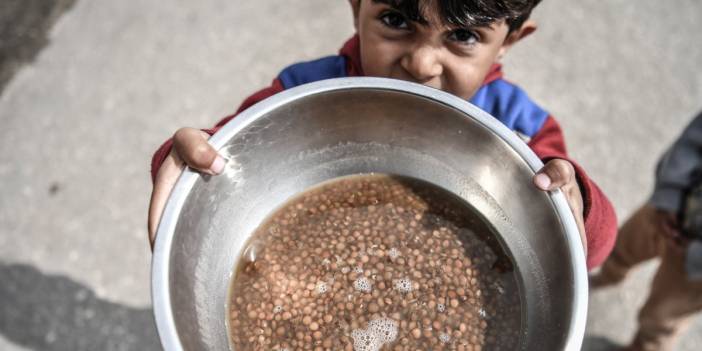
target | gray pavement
[
  {"x": 80, "y": 122},
  {"x": 23, "y": 28}
]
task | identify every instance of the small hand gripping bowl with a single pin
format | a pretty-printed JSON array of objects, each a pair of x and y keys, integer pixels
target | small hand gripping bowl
[{"x": 324, "y": 130}]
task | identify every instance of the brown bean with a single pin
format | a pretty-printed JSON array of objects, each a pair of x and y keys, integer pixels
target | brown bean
[{"x": 398, "y": 234}]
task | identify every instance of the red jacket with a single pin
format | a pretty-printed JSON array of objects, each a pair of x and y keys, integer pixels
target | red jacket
[{"x": 501, "y": 99}]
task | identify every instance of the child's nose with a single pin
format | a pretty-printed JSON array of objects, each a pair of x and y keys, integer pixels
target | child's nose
[{"x": 422, "y": 63}]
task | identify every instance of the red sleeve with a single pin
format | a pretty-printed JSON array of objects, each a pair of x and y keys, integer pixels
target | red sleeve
[
  {"x": 165, "y": 149},
  {"x": 600, "y": 219}
]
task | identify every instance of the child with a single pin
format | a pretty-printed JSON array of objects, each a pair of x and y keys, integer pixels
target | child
[
  {"x": 452, "y": 45},
  {"x": 668, "y": 226}
]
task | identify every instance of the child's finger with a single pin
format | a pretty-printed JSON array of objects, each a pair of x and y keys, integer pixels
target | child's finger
[
  {"x": 560, "y": 174},
  {"x": 555, "y": 174},
  {"x": 192, "y": 147},
  {"x": 163, "y": 184}
]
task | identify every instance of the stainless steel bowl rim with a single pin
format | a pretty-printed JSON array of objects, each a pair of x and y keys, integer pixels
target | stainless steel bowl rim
[{"x": 161, "y": 255}]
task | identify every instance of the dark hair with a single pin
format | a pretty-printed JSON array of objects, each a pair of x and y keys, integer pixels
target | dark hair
[{"x": 468, "y": 13}]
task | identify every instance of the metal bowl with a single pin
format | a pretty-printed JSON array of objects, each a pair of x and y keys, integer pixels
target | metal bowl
[{"x": 319, "y": 131}]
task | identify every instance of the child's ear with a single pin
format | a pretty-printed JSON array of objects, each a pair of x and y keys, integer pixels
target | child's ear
[
  {"x": 527, "y": 28},
  {"x": 355, "y": 7}
]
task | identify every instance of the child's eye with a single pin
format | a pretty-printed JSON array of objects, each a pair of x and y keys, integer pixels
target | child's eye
[
  {"x": 464, "y": 36},
  {"x": 394, "y": 20}
]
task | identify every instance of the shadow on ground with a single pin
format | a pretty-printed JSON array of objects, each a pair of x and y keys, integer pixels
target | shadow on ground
[
  {"x": 598, "y": 343},
  {"x": 24, "y": 27},
  {"x": 55, "y": 313}
]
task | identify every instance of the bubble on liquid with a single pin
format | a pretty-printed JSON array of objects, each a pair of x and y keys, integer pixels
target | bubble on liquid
[
  {"x": 277, "y": 309},
  {"x": 345, "y": 270},
  {"x": 385, "y": 328},
  {"x": 362, "y": 284},
  {"x": 445, "y": 338},
  {"x": 440, "y": 307},
  {"x": 403, "y": 285},
  {"x": 363, "y": 341},
  {"x": 358, "y": 269},
  {"x": 322, "y": 288},
  {"x": 379, "y": 332},
  {"x": 394, "y": 253}
]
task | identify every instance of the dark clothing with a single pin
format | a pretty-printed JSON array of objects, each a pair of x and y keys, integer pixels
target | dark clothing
[
  {"x": 679, "y": 169},
  {"x": 679, "y": 172}
]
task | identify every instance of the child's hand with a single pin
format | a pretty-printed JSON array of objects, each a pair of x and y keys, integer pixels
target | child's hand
[
  {"x": 559, "y": 173},
  {"x": 670, "y": 228},
  {"x": 190, "y": 148}
]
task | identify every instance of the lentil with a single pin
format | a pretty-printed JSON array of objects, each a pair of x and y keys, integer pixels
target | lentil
[{"x": 358, "y": 252}]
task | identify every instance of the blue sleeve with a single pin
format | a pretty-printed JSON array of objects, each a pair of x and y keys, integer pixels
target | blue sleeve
[
  {"x": 312, "y": 71},
  {"x": 511, "y": 105}
]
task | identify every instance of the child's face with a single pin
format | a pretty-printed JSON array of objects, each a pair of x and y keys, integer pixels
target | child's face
[{"x": 436, "y": 54}]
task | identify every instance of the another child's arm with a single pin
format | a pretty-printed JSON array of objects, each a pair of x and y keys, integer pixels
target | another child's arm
[
  {"x": 592, "y": 209},
  {"x": 189, "y": 147}
]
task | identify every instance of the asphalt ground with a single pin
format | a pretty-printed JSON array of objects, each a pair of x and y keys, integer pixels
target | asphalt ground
[
  {"x": 23, "y": 28},
  {"x": 90, "y": 94}
]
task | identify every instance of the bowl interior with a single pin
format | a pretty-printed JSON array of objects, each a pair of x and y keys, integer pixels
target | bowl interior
[{"x": 302, "y": 138}]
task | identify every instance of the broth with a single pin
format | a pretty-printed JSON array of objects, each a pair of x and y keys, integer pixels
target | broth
[{"x": 374, "y": 262}]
